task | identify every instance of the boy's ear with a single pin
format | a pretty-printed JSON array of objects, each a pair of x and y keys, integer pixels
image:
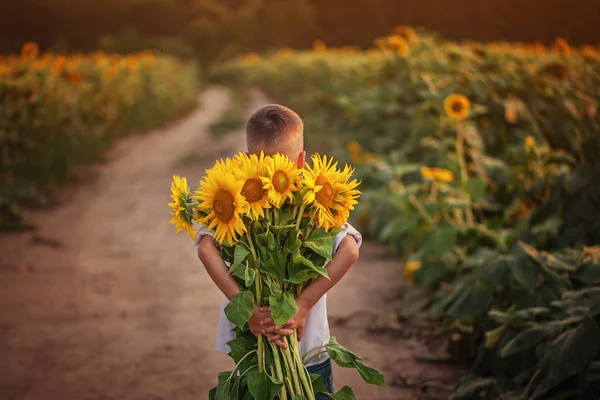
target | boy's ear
[{"x": 301, "y": 158}]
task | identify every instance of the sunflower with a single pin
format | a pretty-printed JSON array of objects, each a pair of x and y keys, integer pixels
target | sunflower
[
  {"x": 282, "y": 179},
  {"x": 222, "y": 204},
  {"x": 399, "y": 44},
  {"x": 30, "y": 51},
  {"x": 330, "y": 191},
  {"x": 437, "y": 174},
  {"x": 182, "y": 219},
  {"x": 529, "y": 143},
  {"x": 319, "y": 46},
  {"x": 409, "y": 270},
  {"x": 457, "y": 107},
  {"x": 250, "y": 169}
]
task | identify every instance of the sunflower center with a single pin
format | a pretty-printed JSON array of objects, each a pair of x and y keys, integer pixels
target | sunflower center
[
  {"x": 325, "y": 195},
  {"x": 224, "y": 206},
  {"x": 281, "y": 182},
  {"x": 253, "y": 190},
  {"x": 457, "y": 106}
]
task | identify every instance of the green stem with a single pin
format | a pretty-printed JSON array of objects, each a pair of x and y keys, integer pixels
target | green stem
[
  {"x": 311, "y": 350},
  {"x": 300, "y": 213},
  {"x": 287, "y": 353},
  {"x": 258, "y": 294},
  {"x": 421, "y": 210},
  {"x": 464, "y": 175},
  {"x": 239, "y": 363},
  {"x": 288, "y": 372},
  {"x": 315, "y": 356},
  {"x": 278, "y": 370},
  {"x": 304, "y": 376}
]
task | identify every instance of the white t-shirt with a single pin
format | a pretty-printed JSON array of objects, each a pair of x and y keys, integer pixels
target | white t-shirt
[{"x": 316, "y": 330}]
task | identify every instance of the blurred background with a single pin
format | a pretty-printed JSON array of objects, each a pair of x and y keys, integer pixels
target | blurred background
[
  {"x": 473, "y": 126},
  {"x": 213, "y": 30}
]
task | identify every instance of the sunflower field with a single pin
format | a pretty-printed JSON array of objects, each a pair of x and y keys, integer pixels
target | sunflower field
[
  {"x": 57, "y": 110},
  {"x": 480, "y": 165}
]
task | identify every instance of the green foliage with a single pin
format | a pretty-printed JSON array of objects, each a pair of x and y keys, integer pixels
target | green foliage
[
  {"x": 493, "y": 208},
  {"x": 62, "y": 110}
]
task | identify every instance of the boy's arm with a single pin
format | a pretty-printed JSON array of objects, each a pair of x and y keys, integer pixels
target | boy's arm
[
  {"x": 217, "y": 270},
  {"x": 340, "y": 264}
]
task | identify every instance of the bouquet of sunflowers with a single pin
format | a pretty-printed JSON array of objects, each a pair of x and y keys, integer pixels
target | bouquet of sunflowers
[{"x": 275, "y": 225}]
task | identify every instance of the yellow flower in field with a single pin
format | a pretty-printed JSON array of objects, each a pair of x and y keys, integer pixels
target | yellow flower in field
[
  {"x": 58, "y": 66},
  {"x": 399, "y": 44},
  {"x": 282, "y": 179},
  {"x": 252, "y": 58},
  {"x": 221, "y": 198},
  {"x": 180, "y": 193},
  {"x": 457, "y": 107},
  {"x": 319, "y": 46},
  {"x": 111, "y": 72},
  {"x": 250, "y": 169},
  {"x": 355, "y": 151},
  {"x": 589, "y": 52},
  {"x": 561, "y": 46},
  {"x": 5, "y": 70},
  {"x": 409, "y": 271},
  {"x": 133, "y": 63},
  {"x": 30, "y": 51},
  {"x": 285, "y": 53},
  {"x": 406, "y": 32},
  {"x": 529, "y": 143},
  {"x": 437, "y": 174}
]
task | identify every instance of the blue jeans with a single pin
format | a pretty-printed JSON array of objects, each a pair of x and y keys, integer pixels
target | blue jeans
[{"x": 323, "y": 369}]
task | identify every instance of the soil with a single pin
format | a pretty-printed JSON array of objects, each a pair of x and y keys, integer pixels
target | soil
[{"x": 102, "y": 300}]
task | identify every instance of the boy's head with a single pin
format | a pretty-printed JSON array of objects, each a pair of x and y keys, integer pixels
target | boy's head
[{"x": 276, "y": 129}]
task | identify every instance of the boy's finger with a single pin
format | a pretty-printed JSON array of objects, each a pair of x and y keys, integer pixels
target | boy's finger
[
  {"x": 289, "y": 324},
  {"x": 281, "y": 344},
  {"x": 265, "y": 309},
  {"x": 267, "y": 321},
  {"x": 284, "y": 332},
  {"x": 269, "y": 329},
  {"x": 274, "y": 338}
]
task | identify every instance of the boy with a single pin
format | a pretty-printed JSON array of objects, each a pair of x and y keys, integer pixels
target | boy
[{"x": 277, "y": 129}]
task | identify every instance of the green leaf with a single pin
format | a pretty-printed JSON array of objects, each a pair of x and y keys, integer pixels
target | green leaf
[
  {"x": 471, "y": 387},
  {"x": 592, "y": 373},
  {"x": 262, "y": 386},
  {"x": 525, "y": 271},
  {"x": 240, "y": 347},
  {"x": 441, "y": 242},
  {"x": 283, "y": 307},
  {"x": 275, "y": 266},
  {"x": 476, "y": 189},
  {"x": 321, "y": 242},
  {"x": 567, "y": 355},
  {"x": 249, "y": 275},
  {"x": 318, "y": 383},
  {"x": 339, "y": 354},
  {"x": 223, "y": 390},
  {"x": 525, "y": 340},
  {"x": 299, "y": 277},
  {"x": 369, "y": 374},
  {"x": 240, "y": 254},
  {"x": 300, "y": 261},
  {"x": 212, "y": 394},
  {"x": 344, "y": 393},
  {"x": 240, "y": 308}
]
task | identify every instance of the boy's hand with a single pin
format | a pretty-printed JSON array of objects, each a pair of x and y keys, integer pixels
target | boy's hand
[
  {"x": 297, "y": 323},
  {"x": 259, "y": 324}
]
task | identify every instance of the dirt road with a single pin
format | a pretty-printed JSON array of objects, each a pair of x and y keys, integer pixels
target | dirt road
[{"x": 104, "y": 301}]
